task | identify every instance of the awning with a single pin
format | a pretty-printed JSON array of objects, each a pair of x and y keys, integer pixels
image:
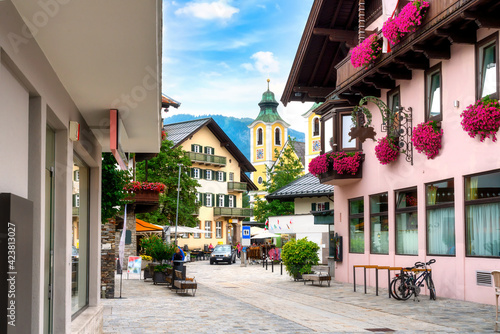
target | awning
[{"x": 142, "y": 226}]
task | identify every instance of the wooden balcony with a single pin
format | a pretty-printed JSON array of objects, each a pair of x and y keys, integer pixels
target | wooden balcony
[
  {"x": 446, "y": 22},
  {"x": 233, "y": 212},
  {"x": 206, "y": 159},
  {"x": 237, "y": 186}
]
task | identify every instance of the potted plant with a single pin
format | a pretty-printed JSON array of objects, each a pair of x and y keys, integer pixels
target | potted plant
[
  {"x": 144, "y": 191},
  {"x": 299, "y": 256},
  {"x": 426, "y": 138},
  {"x": 161, "y": 252},
  {"x": 386, "y": 150},
  {"x": 339, "y": 162},
  {"x": 146, "y": 260},
  {"x": 410, "y": 17},
  {"x": 482, "y": 119},
  {"x": 366, "y": 52}
]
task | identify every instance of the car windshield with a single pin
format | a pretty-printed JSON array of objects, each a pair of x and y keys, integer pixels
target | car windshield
[{"x": 222, "y": 248}]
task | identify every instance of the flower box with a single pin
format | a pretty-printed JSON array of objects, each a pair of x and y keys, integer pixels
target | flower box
[
  {"x": 334, "y": 178},
  {"x": 482, "y": 119},
  {"x": 366, "y": 52},
  {"x": 410, "y": 17}
]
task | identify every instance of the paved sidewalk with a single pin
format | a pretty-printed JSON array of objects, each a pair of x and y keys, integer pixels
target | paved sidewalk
[{"x": 235, "y": 299}]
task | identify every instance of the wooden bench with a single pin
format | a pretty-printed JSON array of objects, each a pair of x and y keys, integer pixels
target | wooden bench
[
  {"x": 320, "y": 274},
  {"x": 184, "y": 283}
]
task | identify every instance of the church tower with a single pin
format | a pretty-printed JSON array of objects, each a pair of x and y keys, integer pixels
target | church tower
[
  {"x": 268, "y": 132},
  {"x": 313, "y": 135}
]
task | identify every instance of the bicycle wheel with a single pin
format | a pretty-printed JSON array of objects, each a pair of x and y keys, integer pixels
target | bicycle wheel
[
  {"x": 430, "y": 286},
  {"x": 400, "y": 288}
]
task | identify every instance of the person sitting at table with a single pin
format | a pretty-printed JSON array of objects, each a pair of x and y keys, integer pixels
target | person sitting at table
[{"x": 210, "y": 247}]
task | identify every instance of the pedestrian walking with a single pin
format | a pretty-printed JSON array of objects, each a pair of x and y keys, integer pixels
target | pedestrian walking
[{"x": 239, "y": 247}]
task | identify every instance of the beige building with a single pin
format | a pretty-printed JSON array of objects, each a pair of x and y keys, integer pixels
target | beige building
[{"x": 220, "y": 167}]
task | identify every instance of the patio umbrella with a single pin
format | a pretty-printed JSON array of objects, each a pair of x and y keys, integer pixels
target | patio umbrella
[
  {"x": 185, "y": 229},
  {"x": 256, "y": 230},
  {"x": 266, "y": 235}
]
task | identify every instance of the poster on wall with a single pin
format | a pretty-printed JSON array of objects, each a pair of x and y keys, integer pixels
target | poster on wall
[{"x": 134, "y": 265}]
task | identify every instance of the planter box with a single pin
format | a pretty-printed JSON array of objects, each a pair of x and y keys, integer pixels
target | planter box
[
  {"x": 161, "y": 277},
  {"x": 333, "y": 178}
]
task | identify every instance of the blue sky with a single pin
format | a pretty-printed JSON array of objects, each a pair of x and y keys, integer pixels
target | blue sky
[{"x": 218, "y": 54}]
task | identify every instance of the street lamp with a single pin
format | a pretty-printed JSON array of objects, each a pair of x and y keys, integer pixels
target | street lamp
[{"x": 177, "y": 212}]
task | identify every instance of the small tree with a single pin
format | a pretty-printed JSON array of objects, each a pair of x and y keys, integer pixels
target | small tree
[
  {"x": 164, "y": 168},
  {"x": 299, "y": 256},
  {"x": 113, "y": 180},
  {"x": 159, "y": 250},
  {"x": 288, "y": 168}
]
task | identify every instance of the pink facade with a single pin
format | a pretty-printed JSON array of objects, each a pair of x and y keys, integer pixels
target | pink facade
[{"x": 460, "y": 156}]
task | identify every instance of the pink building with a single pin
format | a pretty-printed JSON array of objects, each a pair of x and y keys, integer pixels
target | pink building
[{"x": 414, "y": 208}]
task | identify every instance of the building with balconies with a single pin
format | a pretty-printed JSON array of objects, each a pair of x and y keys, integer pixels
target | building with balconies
[
  {"x": 443, "y": 204},
  {"x": 220, "y": 167}
]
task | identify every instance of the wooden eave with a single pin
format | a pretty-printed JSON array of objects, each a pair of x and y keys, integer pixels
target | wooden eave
[
  {"x": 456, "y": 24},
  {"x": 328, "y": 34}
]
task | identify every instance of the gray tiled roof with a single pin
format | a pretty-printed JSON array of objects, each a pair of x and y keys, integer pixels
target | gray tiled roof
[
  {"x": 300, "y": 150},
  {"x": 178, "y": 132},
  {"x": 306, "y": 186}
]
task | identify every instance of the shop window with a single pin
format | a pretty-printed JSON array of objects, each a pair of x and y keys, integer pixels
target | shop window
[
  {"x": 482, "y": 215},
  {"x": 260, "y": 136},
  {"x": 406, "y": 222},
  {"x": 277, "y": 137},
  {"x": 356, "y": 226},
  {"x": 440, "y": 202},
  {"x": 379, "y": 224},
  {"x": 486, "y": 64},
  {"x": 433, "y": 94},
  {"x": 80, "y": 240},
  {"x": 316, "y": 126},
  {"x": 218, "y": 230}
]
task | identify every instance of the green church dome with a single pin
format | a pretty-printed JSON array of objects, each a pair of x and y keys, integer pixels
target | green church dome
[{"x": 268, "y": 108}]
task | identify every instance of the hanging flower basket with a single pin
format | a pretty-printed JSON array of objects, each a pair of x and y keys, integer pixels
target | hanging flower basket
[
  {"x": 482, "y": 119},
  {"x": 426, "y": 138},
  {"x": 410, "y": 17},
  {"x": 386, "y": 150},
  {"x": 338, "y": 162},
  {"x": 144, "y": 191},
  {"x": 366, "y": 52}
]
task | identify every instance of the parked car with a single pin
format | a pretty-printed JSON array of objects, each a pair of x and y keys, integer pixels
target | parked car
[{"x": 223, "y": 253}]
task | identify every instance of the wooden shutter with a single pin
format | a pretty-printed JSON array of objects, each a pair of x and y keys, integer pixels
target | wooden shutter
[
  {"x": 313, "y": 206},
  {"x": 224, "y": 176},
  {"x": 226, "y": 200},
  {"x": 327, "y": 205},
  {"x": 204, "y": 197},
  {"x": 213, "y": 199},
  {"x": 234, "y": 201},
  {"x": 192, "y": 147}
]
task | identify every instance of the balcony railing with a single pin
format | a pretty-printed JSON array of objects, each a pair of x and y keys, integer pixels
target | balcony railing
[
  {"x": 207, "y": 159},
  {"x": 237, "y": 186},
  {"x": 233, "y": 212}
]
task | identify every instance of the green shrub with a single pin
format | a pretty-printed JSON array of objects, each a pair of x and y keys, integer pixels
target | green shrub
[
  {"x": 162, "y": 268},
  {"x": 299, "y": 256},
  {"x": 155, "y": 247}
]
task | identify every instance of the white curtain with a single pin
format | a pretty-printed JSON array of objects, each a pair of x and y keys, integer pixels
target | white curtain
[
  {"x": 441, "y": 231},
  {"x": 483, "y": 229},
  {"x": 407, "y": 233}
]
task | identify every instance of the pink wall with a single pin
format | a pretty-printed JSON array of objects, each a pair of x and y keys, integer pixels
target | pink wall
[{"x": 454, "y": 277}]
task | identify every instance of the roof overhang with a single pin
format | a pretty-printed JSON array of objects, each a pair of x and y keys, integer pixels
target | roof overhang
[
  {"x": 329, "y": 32},
  {"x": 107, "y": 55}
]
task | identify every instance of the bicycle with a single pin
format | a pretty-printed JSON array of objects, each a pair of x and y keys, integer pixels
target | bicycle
[{"x": 408, "y": 282}]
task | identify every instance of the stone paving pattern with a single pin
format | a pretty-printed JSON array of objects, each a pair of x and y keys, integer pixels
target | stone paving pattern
[{"x": 235, "y": 299}]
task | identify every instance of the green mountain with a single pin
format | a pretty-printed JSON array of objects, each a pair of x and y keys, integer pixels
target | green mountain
[{"x": 236, "y": 128}]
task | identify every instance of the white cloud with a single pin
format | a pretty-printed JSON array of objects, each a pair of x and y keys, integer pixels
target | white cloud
[
  {"x": 247, "y": 66},
  {"x": 210, "y": 74},
  {"x": 265, "y": 62},
  {"x": 261, "y": 6},
  {"x": 224, "y": 65},
  {"x": 208, "y": 10}
]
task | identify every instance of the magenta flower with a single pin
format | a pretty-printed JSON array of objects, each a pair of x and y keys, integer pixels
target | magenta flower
[
  {"x": 410, "y": 17},
  {"x": 426, "y": 138},
  {"x": 148, "y": 186},
  {"x": 482, "y": 119},
  {"x": 386, "y": 150},
  {"x": 366, "y": 52},
  {"x": 339, "y": 162}
]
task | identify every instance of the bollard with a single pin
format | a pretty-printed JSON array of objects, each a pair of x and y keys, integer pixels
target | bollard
[
  {"x": 272, "y": 266},
  {"x": 262, "y": 262},
  {"x": 266, "y": 263},
  {"x": 281, "y": 264}
]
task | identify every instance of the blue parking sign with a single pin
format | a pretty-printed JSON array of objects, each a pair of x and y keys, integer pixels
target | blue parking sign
[{"x": 245, "y": 232}]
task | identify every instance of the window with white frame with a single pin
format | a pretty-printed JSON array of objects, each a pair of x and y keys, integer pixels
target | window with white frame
[
  {"x": 198, "y": 198},
  {"x": 209, "y": 150},
  {"x": 197, "y": 235},
  {"x": 221, "y": 200},
  {"x": 218, "y": 230},
  {"x": 208, "y": 199},
  {"x": 208, "y": 227},
  {"x": 231, "y": 201},
  {"x": 277, "y": 137},
  {"x": 208, "y": 174},
  {"x": 197, "y": 148},
  {"x": 220, "y": 176},
  {"x": 260, "y": 137},
  {"x": 196, "y": 173},
  {"x": 316, "y": 127},
  {"x": 231, "y": 177}
]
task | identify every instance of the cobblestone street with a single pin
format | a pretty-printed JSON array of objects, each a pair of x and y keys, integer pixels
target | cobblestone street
[{"x": 232, "y": 299}]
